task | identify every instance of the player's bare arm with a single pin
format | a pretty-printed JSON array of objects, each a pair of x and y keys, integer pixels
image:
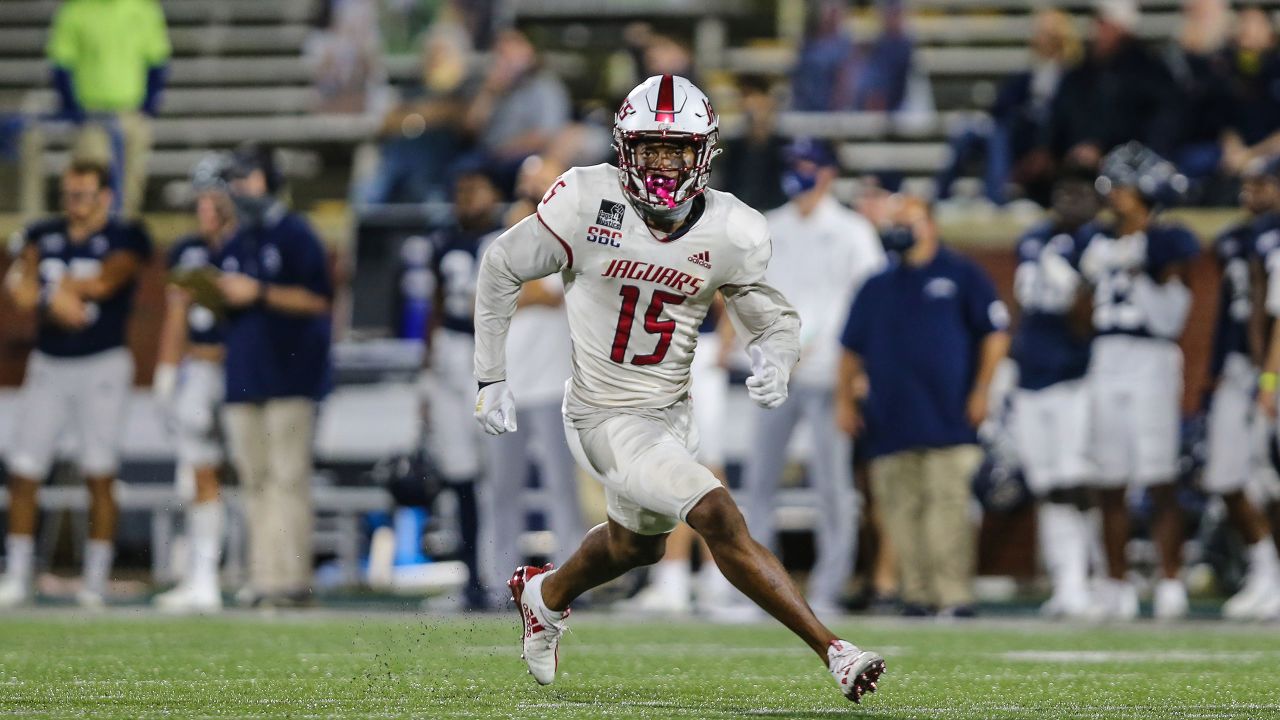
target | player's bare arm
[
  {"x": 118, "y": 269},
  {"x": 22, "y": 282}
]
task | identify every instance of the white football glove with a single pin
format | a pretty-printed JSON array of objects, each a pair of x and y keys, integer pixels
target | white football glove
[
  {"x": 767, "y": 386},
  {"x": 496, "y": 408}
]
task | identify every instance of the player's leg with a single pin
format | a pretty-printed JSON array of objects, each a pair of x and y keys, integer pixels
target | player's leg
[
  {"x": 246, "y": 429},
  {"x": 1157, "y": 429},
  {"x": 607, "y": 551},
  {"x": 455, "y": 443},
  {"x": 760, "y": 576},
  {"x": 199, "y": 452},
  {"x": 1112, "y": 433},
  {"x": 43, "y": 405},
  {"x": 290, "y": 424},
  {"x": 898, "y": 482},
  {"x": 102, "y": 397},
  {"x": 1050, "y": 429},
  {"x": 831, "y": 477},
  {"x": 949, "y": 534}
]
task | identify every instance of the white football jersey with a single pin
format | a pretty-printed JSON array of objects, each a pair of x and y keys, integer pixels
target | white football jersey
[{"x": 634, "y": 297}]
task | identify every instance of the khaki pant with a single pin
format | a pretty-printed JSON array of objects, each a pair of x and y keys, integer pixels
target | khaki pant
[
  {"x": 270, "y": 445},
  {"x": 923, "y": 496},
  {"x": 92, "y": 143}
]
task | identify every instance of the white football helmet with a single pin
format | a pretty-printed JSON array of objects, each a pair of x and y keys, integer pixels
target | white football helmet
[{"x": 665, "y": 107}]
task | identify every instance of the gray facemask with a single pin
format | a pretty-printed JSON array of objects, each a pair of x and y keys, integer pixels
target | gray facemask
[{"x": 252, "y": 211}]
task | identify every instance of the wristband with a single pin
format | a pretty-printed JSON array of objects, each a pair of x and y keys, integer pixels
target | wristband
[{"x": 1267, "y": 382}]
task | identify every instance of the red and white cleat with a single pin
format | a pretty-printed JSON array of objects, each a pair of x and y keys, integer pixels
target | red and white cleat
[
  {"x": 542, "y": 626},
  {"x": 856, "y": 671}
]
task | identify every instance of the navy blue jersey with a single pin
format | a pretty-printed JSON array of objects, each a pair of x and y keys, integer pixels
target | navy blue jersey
[
  {"x": 1044, "y": 346},
  {"x": 455, "y": 263},
  {"x": 60, "y": 256},
  {"x": 1114, "y": 312},
  {"x": 271, "y": 354},
  {"x": 919, "y": 332},
  {"x": 1234, "y": 250},
  {"x": 192, "y": 253}
]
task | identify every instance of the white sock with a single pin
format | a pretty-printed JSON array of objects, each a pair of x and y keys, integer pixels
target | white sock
[
  {"x": 672, "y": 577},
  {"x": 1063, "y": 541},
  {"x": 534, "y": 588},
  {"x": 98, "y": 555},
  {"x": 19, "y": 556},
  {"x": 205, "y": 529},
  {"x": 1263, "y": 559}
]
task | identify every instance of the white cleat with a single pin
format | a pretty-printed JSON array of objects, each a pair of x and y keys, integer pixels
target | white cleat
[
  {"x": 541, "y": 639},
  {"x": 189, "y": 599},
  {"x": 14, "y": 592},
  {"x": 1114, "y": 600},
  {"x": 90, "y": 600},
  {"x": 1170, "y": 600},
  {"x": 1259, "y": 599},
  {"x": 1066, "y": 606},
  {"x": 856, "y": 671}
]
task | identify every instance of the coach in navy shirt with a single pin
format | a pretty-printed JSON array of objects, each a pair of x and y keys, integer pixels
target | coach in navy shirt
[
  {"x": 927, "y": 333},
  {"x": 276, "y": 282}
]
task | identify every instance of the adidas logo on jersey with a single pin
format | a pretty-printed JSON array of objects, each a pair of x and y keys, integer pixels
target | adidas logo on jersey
[{"x": 703, "y": 258}]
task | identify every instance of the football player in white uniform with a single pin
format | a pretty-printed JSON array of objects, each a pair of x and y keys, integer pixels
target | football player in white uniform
[
  {"x": 642, "y": 249},
  {"x": 189, "y": 384}
]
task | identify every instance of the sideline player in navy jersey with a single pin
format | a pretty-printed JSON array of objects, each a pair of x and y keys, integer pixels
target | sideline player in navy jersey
[
  {"x": 1138, "y": 269},
  {"x": 78, "y": 272},
  {"x": 448, "y": 386},
  {"x": 1051, "y": 405},
  {"x": 1237, "y": 429},
  {"x": 190, "y": 384}
]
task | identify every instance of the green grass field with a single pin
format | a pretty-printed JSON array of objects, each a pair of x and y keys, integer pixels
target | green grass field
[{"x": 381, "y": 665}]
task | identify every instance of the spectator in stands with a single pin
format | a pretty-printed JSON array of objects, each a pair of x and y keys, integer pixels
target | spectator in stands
[
  {"x": 1200, "y": 68},
  {"x": 110, "y": 59},
  {"x": 77, "y": 272},
  {"x": 346, "y": 60},
  {"x": 518, "y": 109},
  {"x": 1120, "y": 92},
  {"x": 275, "y": 283},
  {"x": 420, "y": 137},
  {"x": 928, "y": 333},
  {"x": 1019, "y": 117},
  {"x": 538, "y": 352},
  {"x": 822, "y": 252},
  {"x": 1253, "y": 123},
  {"x": 833, "y": 73},
  {"x": 754, "y": 161}
]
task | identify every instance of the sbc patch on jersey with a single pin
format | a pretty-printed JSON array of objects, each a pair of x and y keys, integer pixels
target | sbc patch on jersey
[{"x": 610, "y": 214}]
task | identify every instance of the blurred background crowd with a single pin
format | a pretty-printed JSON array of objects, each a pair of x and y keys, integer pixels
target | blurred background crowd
[{"x": 316, "y": 179}]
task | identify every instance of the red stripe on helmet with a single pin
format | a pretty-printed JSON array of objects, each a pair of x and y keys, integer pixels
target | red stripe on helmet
[{"x": 666, "y": 110}]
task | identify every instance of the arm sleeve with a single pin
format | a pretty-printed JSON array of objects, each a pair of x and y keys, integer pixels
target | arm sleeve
[
  {"x": 759, "y": 312},
  {"x": 157, "y": 48},
  {"x": 985, "y": 313},
  {"x": 853, "y": 338},
  {"x": 528, "y": 251},
  {"x": 61, "y": 48},
  {"x": 136, "y": 241}
]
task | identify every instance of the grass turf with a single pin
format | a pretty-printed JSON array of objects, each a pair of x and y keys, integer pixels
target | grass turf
[{"x": 312, "y": 665}]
